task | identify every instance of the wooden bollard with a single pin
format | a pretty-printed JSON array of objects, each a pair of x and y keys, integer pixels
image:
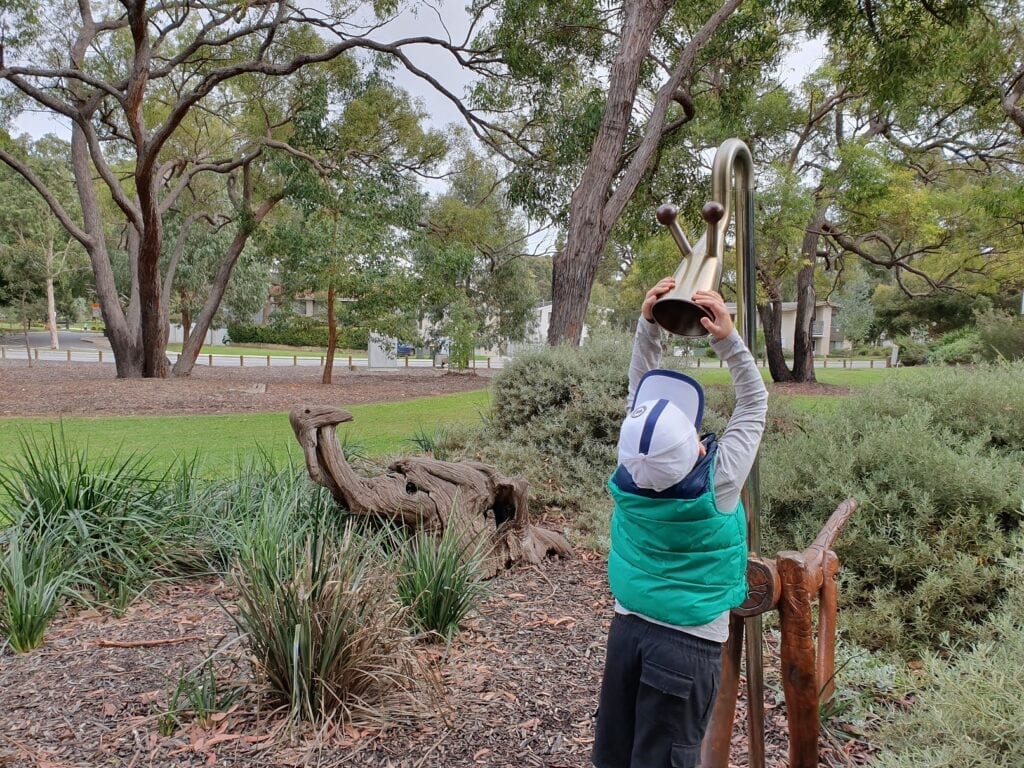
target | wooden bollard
[
  {"x": 350, "y": 367},
  {"x": 268, "y": 361},
  {"x": 101, "y": 354},
  {"x": 69, "y": 355},
  {"x": 36, "y": 352},
  {"x": 295, "y": 359},
  {"x": 241, "y": 361}
]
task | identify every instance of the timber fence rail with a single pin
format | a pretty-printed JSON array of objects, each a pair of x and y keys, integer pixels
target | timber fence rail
[
  {"x": 245, "y": 360},
  {"x": 233, "y": 359}
]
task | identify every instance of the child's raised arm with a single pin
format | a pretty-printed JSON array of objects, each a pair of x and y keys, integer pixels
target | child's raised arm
[
  {"x": 647, "y": 342},
  {"x": 737, "y": 447}
]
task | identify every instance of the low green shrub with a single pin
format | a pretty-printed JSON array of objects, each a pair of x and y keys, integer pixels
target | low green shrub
[
  {"x": 960, "y": 347},
  {"x": 912, "y": 351},
  {"x": 966, "y": 711},
  {"x": 296, "y": 331},
  {"x": 1001, "y": 336},
  {"x": 940, "y": 494},
  {"x": 439, "y": 580}
]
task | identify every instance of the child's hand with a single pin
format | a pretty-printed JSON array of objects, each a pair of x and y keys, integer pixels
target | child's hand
[
  {"x": 720, "y": 324},
  {"x": 664, "y": 285}
]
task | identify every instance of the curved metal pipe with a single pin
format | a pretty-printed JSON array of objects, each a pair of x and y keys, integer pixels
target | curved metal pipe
[{"x": 701, "y": 269}]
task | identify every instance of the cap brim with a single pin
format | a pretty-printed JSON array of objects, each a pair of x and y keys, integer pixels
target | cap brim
[{"x": 678, "y": 388}]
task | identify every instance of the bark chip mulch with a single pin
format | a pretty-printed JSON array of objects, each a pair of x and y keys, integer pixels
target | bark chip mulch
[
  {"x": 49, "y": 388},
  {"x": 520, "y": 685}
]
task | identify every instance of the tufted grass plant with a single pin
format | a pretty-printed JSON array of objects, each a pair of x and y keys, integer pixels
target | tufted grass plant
[
  {"x": 321, "y": 622},
  {"x": 33, "y": 578},
  {"x": 110, "y": 514},
  {"x": 439, "y": 579}
]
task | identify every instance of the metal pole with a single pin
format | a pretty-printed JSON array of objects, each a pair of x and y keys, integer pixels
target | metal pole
[{"x": 751, "y": 493}]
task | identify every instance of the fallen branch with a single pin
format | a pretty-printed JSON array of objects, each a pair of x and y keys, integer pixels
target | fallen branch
[{"x": 148, "y": 643}]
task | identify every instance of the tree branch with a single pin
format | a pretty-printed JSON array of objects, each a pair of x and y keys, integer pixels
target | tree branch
[{"x": 51, "y": 200}]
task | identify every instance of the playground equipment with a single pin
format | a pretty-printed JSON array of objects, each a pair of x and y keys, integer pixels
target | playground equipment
[{"x": 791, "y": 581}]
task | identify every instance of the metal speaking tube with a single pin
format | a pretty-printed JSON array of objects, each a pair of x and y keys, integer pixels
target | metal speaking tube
[{"x": 701, "y": 270}]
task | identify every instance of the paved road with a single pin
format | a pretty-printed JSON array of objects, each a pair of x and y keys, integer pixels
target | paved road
[
  {"x": 68, "y": 340},
  {"x": 12, "y": 347}
]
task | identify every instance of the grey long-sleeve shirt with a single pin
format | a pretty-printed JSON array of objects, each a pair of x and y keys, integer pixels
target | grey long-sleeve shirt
[{"x": 737, "y": 447}]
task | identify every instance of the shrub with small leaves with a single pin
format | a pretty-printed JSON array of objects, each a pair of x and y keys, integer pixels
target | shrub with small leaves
[{"x": 966, "y": 711}]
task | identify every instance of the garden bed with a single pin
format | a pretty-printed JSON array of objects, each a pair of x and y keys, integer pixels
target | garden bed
[{"x": 519, "y": 686}]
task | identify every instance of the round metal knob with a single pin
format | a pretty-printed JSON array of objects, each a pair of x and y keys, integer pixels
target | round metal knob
[
  {"x": 666, "y": 214},
  {"x": 712, "y": 212}
]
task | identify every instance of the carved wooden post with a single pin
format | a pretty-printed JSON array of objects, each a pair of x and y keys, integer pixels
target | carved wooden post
[
  {"x": 828, "y": 607},
  {"x": 799, "y": 674},
  {"x": 790, "y": 583}
]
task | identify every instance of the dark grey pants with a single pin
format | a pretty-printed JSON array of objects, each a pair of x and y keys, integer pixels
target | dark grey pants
[{"x": 656, "y": 697}]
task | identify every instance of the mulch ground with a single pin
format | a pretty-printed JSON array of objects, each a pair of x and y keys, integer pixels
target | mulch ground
[
  {"x": 520, "y": 685},
  {"x": 91, "y": 389}
]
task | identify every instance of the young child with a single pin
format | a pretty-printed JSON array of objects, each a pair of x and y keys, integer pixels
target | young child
[{"x": 678, "y": 559}]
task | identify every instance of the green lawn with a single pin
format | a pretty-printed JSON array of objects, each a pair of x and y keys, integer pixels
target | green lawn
[
  {"x": 380, "y": 429},
  {"x": 219, "y": 441}
]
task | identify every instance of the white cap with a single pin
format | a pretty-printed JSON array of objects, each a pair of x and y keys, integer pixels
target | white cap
[{"x": 658, "y": 443}]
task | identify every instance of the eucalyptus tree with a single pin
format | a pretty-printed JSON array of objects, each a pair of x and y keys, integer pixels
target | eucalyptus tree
[
  {"x": 350, "y": 216},
  {"x": 35, "y": 250},
  {"x": 472, "y": 261},
  {"x": 159, "y": 95},
  {"x": 602, "y": 87}
]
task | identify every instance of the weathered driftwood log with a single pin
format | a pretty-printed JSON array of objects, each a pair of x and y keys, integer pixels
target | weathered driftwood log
[
  {"x": 789, "y": 583},
  {"x": 427, "y": 494}
]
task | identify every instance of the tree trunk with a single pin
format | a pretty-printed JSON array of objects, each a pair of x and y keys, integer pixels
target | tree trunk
[
  {"x": 51, "y": 303},
  {"x": 484, "y": 506},
  {"x": 26, "y": 324},
  {"x": 186, "y": 316},
  {"x": 332, "y": 335},
  {"x": 608, "y": 182},
  {"x": 576, "y": 264},
  {"x": 803, "y": 332},
  {"x": 771, "y": 322},
  {"x": 194, "y": 341}
]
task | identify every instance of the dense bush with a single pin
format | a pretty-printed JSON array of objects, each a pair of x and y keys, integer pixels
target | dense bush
[
  {"x": 555, "y": 419},
  {"x": 959, "y": 347},
  {"x": 295, "y": 331},
  {"x": 935, "y": 461},
  {"x": 933, "y": 456},
  {"x": 912, "y": 351},
  {"x": 1002, "y": 336},
  {"x": 967, "y": 709}
]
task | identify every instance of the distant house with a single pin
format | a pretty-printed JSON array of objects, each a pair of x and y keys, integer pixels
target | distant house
[
  {"x": 826, "y": 334},
  {"x": 537, "y": 336}
]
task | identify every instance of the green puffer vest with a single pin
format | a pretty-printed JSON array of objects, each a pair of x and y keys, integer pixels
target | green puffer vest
[{"x": 675, "y": 557}]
